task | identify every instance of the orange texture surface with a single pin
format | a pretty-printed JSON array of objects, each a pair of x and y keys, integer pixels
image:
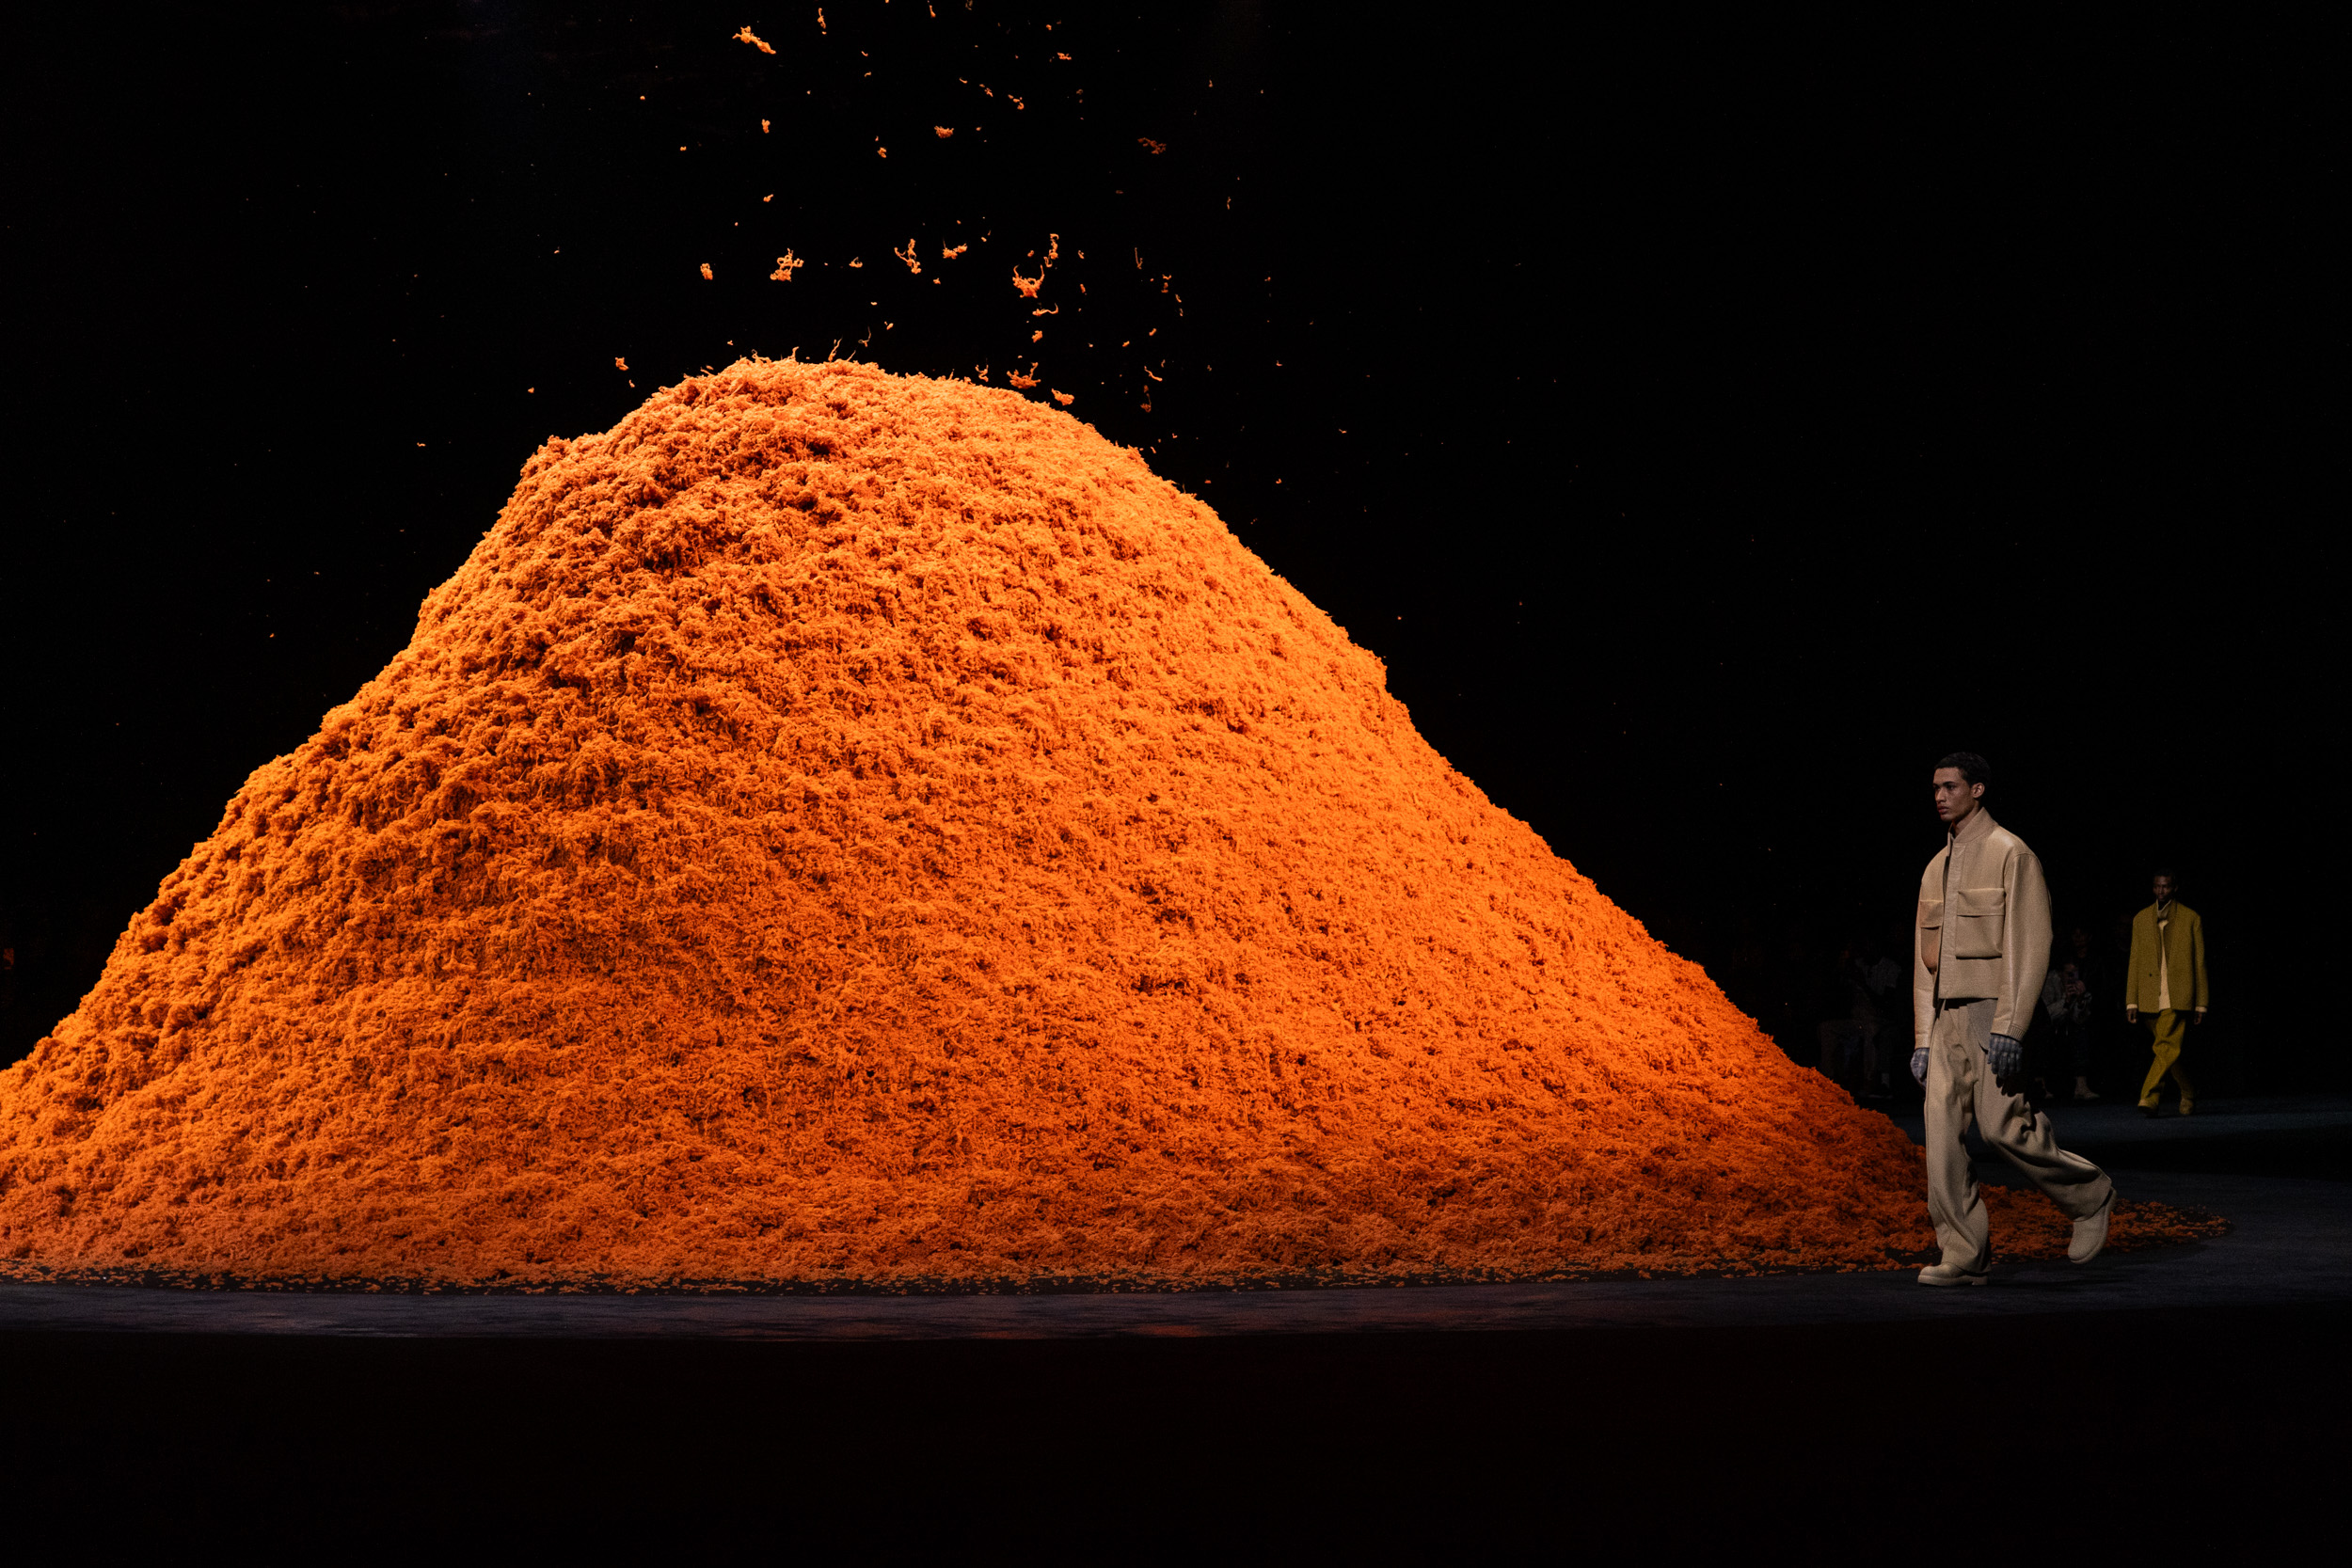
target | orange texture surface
[{"x": 839, "y": 825}]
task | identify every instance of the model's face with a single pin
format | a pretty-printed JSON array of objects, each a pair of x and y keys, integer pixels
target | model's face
[
  {"x": 2164, "y": 889},
  {"x": 1955, "y": 797}
]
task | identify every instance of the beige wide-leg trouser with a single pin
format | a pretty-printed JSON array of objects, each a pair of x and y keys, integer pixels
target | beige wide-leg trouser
[{"x": 1960, "y": 1085}]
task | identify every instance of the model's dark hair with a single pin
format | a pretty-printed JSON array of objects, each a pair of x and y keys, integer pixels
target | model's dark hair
[
  {"x": 1973, "y": 768},
  {"x": 2169, "y": 875}
]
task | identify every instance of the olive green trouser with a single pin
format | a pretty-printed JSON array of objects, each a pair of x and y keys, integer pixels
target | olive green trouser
[
  {"x": 2169, "y": 1029},
  {"x": 1961, "y": 1085}
]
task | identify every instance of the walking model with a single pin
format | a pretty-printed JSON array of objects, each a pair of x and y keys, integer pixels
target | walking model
[
  {"x": 1982, "y": 946},
  {"x": 2166, "y": 987}
]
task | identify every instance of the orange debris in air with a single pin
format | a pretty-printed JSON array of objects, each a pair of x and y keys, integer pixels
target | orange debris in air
[
  {"x": 786, "y": 264},
  {"x": 908, "y": 255},
  {"x": 838, "y": 825},
  {"x": 943, "y": 131},
  {"x": 1065, "y": 398},
  {"x": 948, "y": 253},
  {"x": 1038, "y": 336},
  {"x": 1154, "y": 148},
  {"x": 706, "y": 272},
  {"x": 757, "y": 41},
  {"x": 762, "y": 127},
  {"x": 1023, "y": 382},
  {"x": 1028, "y": 286},
  {"x": 619, "y": 363}
]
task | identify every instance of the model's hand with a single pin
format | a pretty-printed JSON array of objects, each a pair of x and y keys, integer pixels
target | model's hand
[
  {"x": 2198, "y": 1017},
  {"x": 2131, "y": 1014},
  {"x": 2005, "y": 1056},
  {"x": 1920, "y": 1065}
]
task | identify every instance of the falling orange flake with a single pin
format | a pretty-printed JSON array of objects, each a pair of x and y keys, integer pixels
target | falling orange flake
[
  {"x": 856, "y": 262},
  {"x": 1053, "y": 248},
  {"x": 1048, "y": 310},
  {"x": 706, "y": 272},
  {"x": 757, "y": 41},
  {"x": 821, "y": 18},
  {"x": 882, "y": 152},
  {"x": 784, "y": 264},
  {"x": 1157, "y": 146},
  {"x": 908, "y": 255},
  {"x": 944, "y": 131},
  {"x": 1037, "y": 336},
  {"x": 770, "y": 196},
  {"x": 1065, "y": 398},
  {"x": 619, "y": 363},
  {"x": 1023, "y": 382},
  {"x": 948, "y": 253},
  {"x": 762, "y": 127},
  {"x": 1028, "y": 286},
  {"x": 1061, "y": 56}
]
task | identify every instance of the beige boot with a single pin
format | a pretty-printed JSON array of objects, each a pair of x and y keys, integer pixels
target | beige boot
[
  {"x": 1950, "y": 1273},
  {"x": 2090, "y": 1233}
]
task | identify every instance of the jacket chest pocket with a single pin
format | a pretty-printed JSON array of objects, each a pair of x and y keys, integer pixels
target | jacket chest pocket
[{"x": 1976, "y": 919}]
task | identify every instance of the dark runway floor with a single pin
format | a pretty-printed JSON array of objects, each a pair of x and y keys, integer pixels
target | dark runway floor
[{"x": 2181, "y": 1400}]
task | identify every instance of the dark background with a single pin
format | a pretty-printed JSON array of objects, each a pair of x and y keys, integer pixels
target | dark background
[{"x": 1710, "y": 428}]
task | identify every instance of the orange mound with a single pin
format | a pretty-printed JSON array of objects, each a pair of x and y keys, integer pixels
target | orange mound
[{"x": 837, "y": 824}]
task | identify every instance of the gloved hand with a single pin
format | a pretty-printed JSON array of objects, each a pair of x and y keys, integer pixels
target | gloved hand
[
  {"x": 1920, "y": 1065},
  {"x": 2005, "y": 1056}
]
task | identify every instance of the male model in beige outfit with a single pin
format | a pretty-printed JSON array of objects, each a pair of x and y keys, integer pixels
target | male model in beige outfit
[{"x": 1982, "y": 945}]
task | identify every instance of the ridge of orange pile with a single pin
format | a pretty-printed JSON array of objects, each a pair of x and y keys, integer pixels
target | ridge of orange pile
[{"x": 846, "y": 826}]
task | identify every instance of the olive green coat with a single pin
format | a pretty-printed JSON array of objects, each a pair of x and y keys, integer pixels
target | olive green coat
[{"x": 2184, "y": 960}]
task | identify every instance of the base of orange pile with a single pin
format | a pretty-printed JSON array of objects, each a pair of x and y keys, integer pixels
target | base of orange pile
[{"x": 2027, "y": 1229}]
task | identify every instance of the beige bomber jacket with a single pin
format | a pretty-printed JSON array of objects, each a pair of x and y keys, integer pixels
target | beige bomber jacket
[{"x": 1984, "y": 927}]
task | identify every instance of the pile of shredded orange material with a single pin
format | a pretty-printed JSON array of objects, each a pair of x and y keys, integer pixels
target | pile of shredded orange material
[{"x": 845, "y": 826}]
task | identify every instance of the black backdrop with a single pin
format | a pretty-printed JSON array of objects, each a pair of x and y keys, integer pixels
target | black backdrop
[{"x": 1709, "y": 429}]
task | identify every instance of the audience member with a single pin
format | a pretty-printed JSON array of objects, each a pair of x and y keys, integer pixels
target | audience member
[
  {"x": 2068, "y": 998},
  {"x": 1852, "y": 1054}
]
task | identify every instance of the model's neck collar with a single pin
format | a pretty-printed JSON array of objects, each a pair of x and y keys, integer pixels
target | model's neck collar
[{"x": 1973, "y": 827}]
